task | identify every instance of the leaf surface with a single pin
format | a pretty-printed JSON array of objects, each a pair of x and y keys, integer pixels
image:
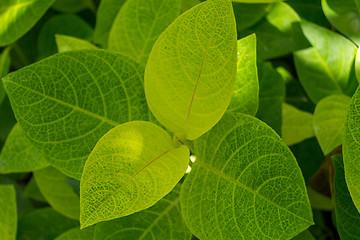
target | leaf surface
[
  {"x": 72, "y": 6},
  {"x": 191, "y": 71},
  {"x": 329, "y": 121},
  {"x": 19, "y": 16},
  {"x": 4, "y": 68},
  {"x": 310, "y": 10},
  {"x": 257, "y": 1},
  {"x": 163, "y": 221},
  {"x": 305, "y": 235},
  {"x": 245, "y": 98},
  {"x": 68, "y": 101},
  {"x": 8, "y": 212},
  {"x": 19, "y": 154},
  {"x": 67, "y": 43},
  {"x": 32, "y": 191},
  {"x": 57, "y": 192},
  {"x": 138, "y": 25},
  {"x": 77, "y": 234},
  {"x": 131, "y": 168},
  {"x": 357, "y": 65},
  {"x": 244, "y": 184}
]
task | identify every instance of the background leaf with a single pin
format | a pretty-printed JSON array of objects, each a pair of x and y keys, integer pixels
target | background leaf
[
  {"x": 77, "y": 234},
  {"x": 67, "y": 43},
  {"x": 32, "y": 191},
  {"x": 131, "y": 168},
  {"x": 19, "y": 16},
  {"x": 244, "y": 184},
  {"x": 66, "y": 102},
  {"x": 246, "y": 15},
  {"x": 71, "y": 6},
  {"x": 4, "y": 68},
  {"x": 8, "y": 214},
  {"x": 139, "y": 23},
  {"x": 310, "y": 10},
  {"x": 305, "y": 235},
  {"x": 198, "y": 53}
]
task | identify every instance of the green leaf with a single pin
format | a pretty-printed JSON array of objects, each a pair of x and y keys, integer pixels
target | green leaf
[
  {"x": 72, "y": 6},
  {"x": 305, "y": 235},
  {"x": 66, "y": 43},
  {"x": 329, "y": 121},
  {"x": 319, "y": 72},
  {"x": 68, "y": 101},
  {"x": 66, "y": 24},
  {"x": 138, "y": 24},
  {"x": 105, "y": 16},
  {"x": 345, "y": 16},
  {"x": 4, "y": 68},
  {"x": 319, "y": 201},
  {"x": 247, "y": 15},
  {"x": 257, "y": 1},
  {"x": 57, "y": 192},
  {"x": 44, "y": 224},
  {"x": 310, "y": 10},
  {"x": 244, "y": 184},
  {"x": 19, "y": 154},
  {"x": 187, "y": 4},
  {"x": 19, "y": 16},
  {"x": 131, "y": 168},
  {"x": 296, "y": 126},
  {"x": 271, "y": 96},
  {"x": 162, "y": 221},
  {"x": 8, "y": 214},
  {"x": 245, "y": 97},
  {"x": 357, "y": 65},
  {"x": 347, "y": 216},
  {"x": 197, "y": 52},
  {"x": 32, "y": 191},
  {"x": 77, "y": 234},
  {"x": 351, "y": 149},
  {"x": 274, "y": 33},
  {"x": 7, "y": 120}
]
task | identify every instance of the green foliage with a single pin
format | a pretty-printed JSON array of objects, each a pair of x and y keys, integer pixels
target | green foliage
[
  {"x": 8, "y": 216},
  {"x": 198, "y": 53},
  {"x": 218, "y": 190},
  {"x": 4, "y": 68},
  {"x": 77, "y": 234},
  {"x": 71, "y": 6},
  {"x": 66, "y": 43}
]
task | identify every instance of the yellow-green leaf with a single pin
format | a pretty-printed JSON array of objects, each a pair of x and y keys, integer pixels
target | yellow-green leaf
[
  {"x": 67, "y": 43},
  {"x": 191, "y": 71},
  {"x": 8, "y": 213},
  {"x": 257, "y": 1},
  {"x": 131, "y": 168}
]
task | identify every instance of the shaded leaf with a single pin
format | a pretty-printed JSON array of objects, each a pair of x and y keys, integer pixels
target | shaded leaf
[
  {"x": 131, "y": 168},
  {"x": 66, "y": 43},
  {"x": 8, "y": 214},
  {"x": 71, "y": 6},
  {"x": 198, "y": 53},
  {"x": 257, "y": 1},
  {"x": 32, "y": 191},
  {"x": 77, "y": 234},
  {"x": 246, "y": 15},
  {"x": 66, "y": 102},
  {"x": 244, "y": 184},
  {"x": 310, "y": 10},
  {"x": 305, "y": 235},
  {"x": 319, "y": 201},
  {"x": 4, "y": 68}
]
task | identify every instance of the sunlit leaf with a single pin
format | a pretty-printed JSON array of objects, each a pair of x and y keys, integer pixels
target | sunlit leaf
[
  {"x": 244, "y": 184},
  {"x": 131, "y": 168},
  {"x": 66, "y": 43},
  {"x": 67, "y": 102},
  {"x": 4, "y": 68},
  {"x": 8, "y": 213},
  {"x": 257, "y": 1},
  {"x": 191, "y": 71}
]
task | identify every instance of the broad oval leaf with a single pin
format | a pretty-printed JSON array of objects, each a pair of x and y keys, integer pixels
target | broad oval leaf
[
  {"x": 19, "y": 16},
  {"x": 191, "y": 71},
  {"x": 19, "y": 154},
  {"x": 163, "y": 221},
  {"x": 68, "y": 101},
  {"x": 4, "y": 68},
  {"x": 78, "y": 234},
  {"x": 329, "y": 121},
  {"x": 57, "y": 192},
  {"x": 351, "y": 149},
  {"x": 8, "y": 212},
  {"x": 67, "y": 43},
  {"x": 245, "y": 98},
  {"x": 131, "y": 168},
  {"x": 139, "y": 23},
  {"x": 244, "y": 184}
]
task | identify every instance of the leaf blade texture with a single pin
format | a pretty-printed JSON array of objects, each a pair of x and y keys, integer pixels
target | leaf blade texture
[
  {"x": 162, "y": 221},
  {"x": 8, "y": 212},
  {"x": 245, "y": 98},
  {"x": 98, "y": 91},
  {"x": 138, "y": 24},
  {"x": 19, "y": 16},
  {"x": 244, "y": 184},
  {"x": 197, "y": 52},
  {"x": 67, "y": 43},
  {"x": 131, "y": 168}
]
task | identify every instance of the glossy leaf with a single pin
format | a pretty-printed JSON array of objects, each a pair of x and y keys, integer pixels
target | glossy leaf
[
  {"x": 57, "y": 192},
  {"x": 329, "y": 121},
  {"x": 77, "y": 234},
  {"x": 19, "y": 154},
  {"x": 191, "y": 71},
  {"x": 66, "y": 43},
  {"x": 4, "y": 68},
  {"x": 66, "y": 24},
  {"x": 105, "y": 16},
  {"x": 66, "y": 109},
  {"x": 351, "y": 149},
  {"x": 44, "y": 224},
  {"x": 244, "y": 184},
  {"x": 245, "y": 97},
  {"x": 163, "y": 221},
  {"x": 139, "y": 23},
  {"x": 296, "y": 126},
  {"x": 345, "y": 16},
  {"x": 8, "y": 213},
  {"x": 347, "y": 216},
  {"x": 319, "y": 73},
  {"x": 19, "y": 16},
  {"x": 131, "y": 168}
]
